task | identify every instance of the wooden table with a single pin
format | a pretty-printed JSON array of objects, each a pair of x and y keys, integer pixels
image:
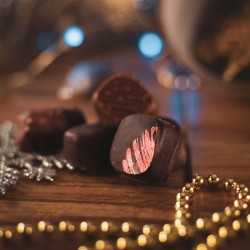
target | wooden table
[{"x": 220, "y": 142}]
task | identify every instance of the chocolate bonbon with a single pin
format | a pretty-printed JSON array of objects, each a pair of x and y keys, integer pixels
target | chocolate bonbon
[
  {"x": 42, "y": 130},
  {"x": 87, "y": 147},
  {"x": 146, "y": 147},
  {"x": 122, "y": 95}
]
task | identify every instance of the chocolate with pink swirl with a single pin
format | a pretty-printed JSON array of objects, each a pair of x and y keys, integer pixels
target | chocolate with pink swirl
[
  {"x": 147, "y": 148},
  {"x": 143, "y": 152}
]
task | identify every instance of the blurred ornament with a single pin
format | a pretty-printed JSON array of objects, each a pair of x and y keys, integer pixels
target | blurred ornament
[
  {"x": 215, "y": 48},
  {"x": 83, "y": 79}
]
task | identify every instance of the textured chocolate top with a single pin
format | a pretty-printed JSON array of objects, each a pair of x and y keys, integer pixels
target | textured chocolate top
[{"x": 122, "y": 95}]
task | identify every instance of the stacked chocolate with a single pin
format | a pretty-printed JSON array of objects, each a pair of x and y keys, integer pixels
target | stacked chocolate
[{"x": 144, "y": 147}]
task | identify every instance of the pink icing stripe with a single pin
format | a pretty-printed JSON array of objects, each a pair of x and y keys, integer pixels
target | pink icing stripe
[
  {"x": 137, "y": 154},
  {"x": 143, "y": 150}
]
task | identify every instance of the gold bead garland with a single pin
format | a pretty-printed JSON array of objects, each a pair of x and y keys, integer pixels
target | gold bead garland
[{"x": 129, "y": 235}]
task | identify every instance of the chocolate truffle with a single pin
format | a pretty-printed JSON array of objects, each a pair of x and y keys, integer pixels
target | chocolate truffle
[
  {"x": 87, "y": 147},
  {"x": 122, "y": 95},
  {"x": 42, "y": 130},
  {"x": 146, "y": 147}
]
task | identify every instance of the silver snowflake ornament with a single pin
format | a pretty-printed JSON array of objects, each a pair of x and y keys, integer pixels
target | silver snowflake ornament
[
  {"x": 13, "y": 162},
  {"x": 8, "y": 177}
]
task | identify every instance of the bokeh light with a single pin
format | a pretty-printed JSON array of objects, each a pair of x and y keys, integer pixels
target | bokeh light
[
  {"x": 73, "y": 36},
  {"x": 150, "y": 44}
]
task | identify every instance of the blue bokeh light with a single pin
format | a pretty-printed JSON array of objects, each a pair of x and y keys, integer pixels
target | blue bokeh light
[
  {"x": 150, "y": 44},
  {"x": 73, "y": 36}
]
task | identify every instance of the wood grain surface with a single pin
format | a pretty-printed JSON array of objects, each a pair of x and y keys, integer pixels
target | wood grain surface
[{"x": 220, "y": 142}]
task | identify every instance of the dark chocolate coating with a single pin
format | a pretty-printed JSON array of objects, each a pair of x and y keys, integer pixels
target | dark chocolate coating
[
  {"x": 42, "y": 130},
  {"x": 87, "y": 147},
  {"x": 122, "y": 95},
  {"x": 145, "y": 147}
]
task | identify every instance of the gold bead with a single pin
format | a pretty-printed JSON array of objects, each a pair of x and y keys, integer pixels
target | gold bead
[
  {"x": 223, "y": 232},
  {"x": 216, "y": 217},
  {"x": 240, "y": 204},
  {"x": 248, "y": 218},
  {"x": 198, "y": 181},
  {"x": 121, "y": 243},
  {"x": 180, "y": 204},
  {"x": 188, "y": 189},
  {"x": 146, "y": 241},
  {"x": 203, "y": 224},
  {"x": 43, "y": 226},
  {"x": 230, "y": 185},
  {"x": 201, "y": 246},
  {"x": 29, "y": 230},
  {"x": 124, "y": 243},
  {"x": 71, "y": 227},
  {"x": 150, "y": 230},
  {"x": 20, "y": 228},
  {"x": 241, "y": 188},
  {"x": 146, "y": 229},
  {"x": 100, "y": 244},
  {"x": 167, "y": 228},
  {"x": 182, "y": 196},
  {"x": 236, "y": 225},
  {"x": 62, "y": 226},
  {"x": 163, "y": 237},
  {"x": 108, "y": 227},
  {"x": 244, "y": 196},
  {"x": 105, "y": 226},
  {"x": 103, "y": 245},
  {"x": 211, "y": 241},
  {"x": 87, "y": 227},
  {"x": 82, "y": 248},
  {"x": 182, "y": 213},
  {"x": 213, "y": 179},
  {"x": 232, "y": 212},
  {"x": 49, "y": 228},
  {"x": 8, "y": 234},
  {"x": 125, "y": 227},
  {"x": 66, "y": 226},
  {"x": 200, "y": 223},
  {"x": 142, "y": 240},
  {"x": 179, "y": 222},
  {"x": 182, "y": 231},
  {"x": 129, "y": 227}
]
